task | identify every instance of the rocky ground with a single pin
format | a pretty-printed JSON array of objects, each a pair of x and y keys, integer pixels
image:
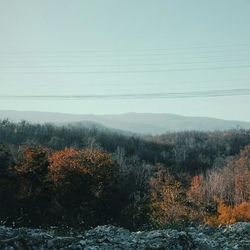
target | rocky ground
[{"x": 109, "y": 237}]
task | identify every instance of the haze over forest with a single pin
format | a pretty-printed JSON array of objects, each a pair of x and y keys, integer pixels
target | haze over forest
[{"x": 141, "y": 123}]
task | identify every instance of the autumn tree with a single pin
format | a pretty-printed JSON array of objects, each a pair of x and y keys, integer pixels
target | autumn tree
[
  {"x": 229, "y": 214},
  {"x": 230, "y": 183},
  {"x": 168, "y": 200},
  {"x": 196, "y": 191},
  {"x": 7, "y": 182},
  {"x": 242, "y": 176},
  {"x": 6, "y": 160},
  {"x": 32, "y": 170},
  {"x": 82, "y": 181},
  {"x": 33, "y": 190},
  {"x": 230, "y": 187}
]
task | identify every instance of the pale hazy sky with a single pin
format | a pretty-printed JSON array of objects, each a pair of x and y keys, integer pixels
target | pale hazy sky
[{"x": 68, "y": 52}]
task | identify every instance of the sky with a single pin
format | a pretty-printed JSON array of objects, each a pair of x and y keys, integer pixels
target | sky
[{"x": 116, "y": 56}]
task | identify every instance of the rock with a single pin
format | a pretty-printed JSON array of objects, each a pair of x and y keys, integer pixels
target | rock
[{"x": 108, "y": 237}]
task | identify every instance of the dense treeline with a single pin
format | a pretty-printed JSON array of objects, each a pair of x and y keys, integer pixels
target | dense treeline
[
  {"x": 190, "y": 152},
  {"x": 76, "y": 176},
  {"x": 78, "y": 137}
]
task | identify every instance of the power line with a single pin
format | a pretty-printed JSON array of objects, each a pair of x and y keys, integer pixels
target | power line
[
  {"x": 218, "y": 46},
  {"x": 126, "y": 65},
  {"x": 169, "y": 95},
  {"x": 82, "y": 59},
  {"x": 145, "y": 83},
  {"x": 114, "y": 54},
  {"x": 128, "y": 71},
  {"x": 117, "y": 55}
]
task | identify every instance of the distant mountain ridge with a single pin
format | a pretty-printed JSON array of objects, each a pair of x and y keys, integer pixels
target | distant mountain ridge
[{"x": 142, "y": 123}]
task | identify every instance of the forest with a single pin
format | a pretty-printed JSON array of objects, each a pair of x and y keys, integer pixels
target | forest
[{"x": 76, "y": 176}]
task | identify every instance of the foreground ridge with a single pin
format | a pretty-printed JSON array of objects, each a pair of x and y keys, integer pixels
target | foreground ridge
[{"x": 235, "y": 236}]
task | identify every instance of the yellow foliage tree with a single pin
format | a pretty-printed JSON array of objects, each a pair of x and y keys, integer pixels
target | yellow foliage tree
[{"x": 167, "y": 199}]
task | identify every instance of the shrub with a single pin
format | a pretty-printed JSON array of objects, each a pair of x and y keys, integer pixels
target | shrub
[{"x": 230, "y": 214}]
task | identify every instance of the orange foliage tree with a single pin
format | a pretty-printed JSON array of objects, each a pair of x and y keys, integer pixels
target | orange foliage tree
[
  {"x": 32, "y": 170},
  {"x": 230, "y": 214},
  {"x": 33, "y": 189},
  {"x": 198, "y": 200},
  {"x": 91, "y": 169},
  {"x": 66, "y": 170},
  {"x": 196, "y": 191},
  {"x": 81, "y": 181}
]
